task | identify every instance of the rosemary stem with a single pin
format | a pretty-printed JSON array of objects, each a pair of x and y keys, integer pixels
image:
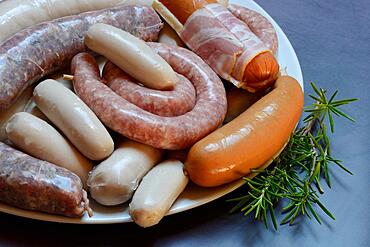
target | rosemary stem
[{"x": 305, "y": 160}]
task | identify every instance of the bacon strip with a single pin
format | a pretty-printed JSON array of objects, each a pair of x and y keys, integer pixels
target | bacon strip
[
  {"x": 223, "y": 41},
  {"x": 258, "y": 24},
  {"x": 211, "y": 40}
]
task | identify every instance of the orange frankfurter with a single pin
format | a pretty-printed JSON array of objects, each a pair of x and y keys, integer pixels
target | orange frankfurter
[
  {"x": 250, "y": 140},
  {"x": 259, "y": 70}
]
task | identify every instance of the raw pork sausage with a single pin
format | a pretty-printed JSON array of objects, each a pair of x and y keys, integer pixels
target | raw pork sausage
[
  {"x": 32, "y": 184},
  {"x": 16, "y": 15},
  {"x": 39, "y": 50},
  {"x": 160, "y": 132}
]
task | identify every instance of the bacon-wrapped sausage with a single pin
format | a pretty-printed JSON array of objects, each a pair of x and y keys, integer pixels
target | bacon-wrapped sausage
[{"x": 233, "y": 45}]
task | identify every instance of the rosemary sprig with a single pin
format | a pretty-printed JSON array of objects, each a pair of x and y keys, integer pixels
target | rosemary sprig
[{"x": 296, "y": 172}]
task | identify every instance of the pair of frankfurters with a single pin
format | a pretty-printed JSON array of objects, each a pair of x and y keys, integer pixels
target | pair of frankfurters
[
  {"x": 133, "y": 171},
  {"x": 73, "y": 118}
]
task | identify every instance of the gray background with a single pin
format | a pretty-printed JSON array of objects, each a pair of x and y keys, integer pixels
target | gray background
[{"x": 332, "y": 41}]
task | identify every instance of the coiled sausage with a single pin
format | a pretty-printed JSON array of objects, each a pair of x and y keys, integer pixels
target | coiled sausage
[{"x": 160, "y": 132}]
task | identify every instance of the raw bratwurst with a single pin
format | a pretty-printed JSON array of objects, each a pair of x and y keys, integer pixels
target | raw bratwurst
[{"x": 32, "y": 184}]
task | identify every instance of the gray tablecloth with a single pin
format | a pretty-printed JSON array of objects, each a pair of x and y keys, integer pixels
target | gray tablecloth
[{"x": 332, "y": 41}]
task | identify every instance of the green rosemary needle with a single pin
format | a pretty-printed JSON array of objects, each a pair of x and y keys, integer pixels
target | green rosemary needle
[{"x": 295, "y": 174}]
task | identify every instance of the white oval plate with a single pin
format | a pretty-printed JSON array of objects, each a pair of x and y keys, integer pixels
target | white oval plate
[{"x": 193, "y": 196}]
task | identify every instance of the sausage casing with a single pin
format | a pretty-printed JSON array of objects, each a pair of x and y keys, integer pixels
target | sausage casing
[{"x": 32, "y": 184}]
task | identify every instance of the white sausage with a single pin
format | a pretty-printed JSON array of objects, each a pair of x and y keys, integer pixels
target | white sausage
[
  {"x": 18, "y": 106},
  {"x": 34, "y": 110},
  {"x": 132, "y": 55},
  {"x": 72, "y": 116},
  {"x": 31, "y": 106},
  {"x": 39, "y": 139},
  {"x": 16, "y": 15},
  {"x": 157, "y": 192},
  {"x": 115, "y": 179}
]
